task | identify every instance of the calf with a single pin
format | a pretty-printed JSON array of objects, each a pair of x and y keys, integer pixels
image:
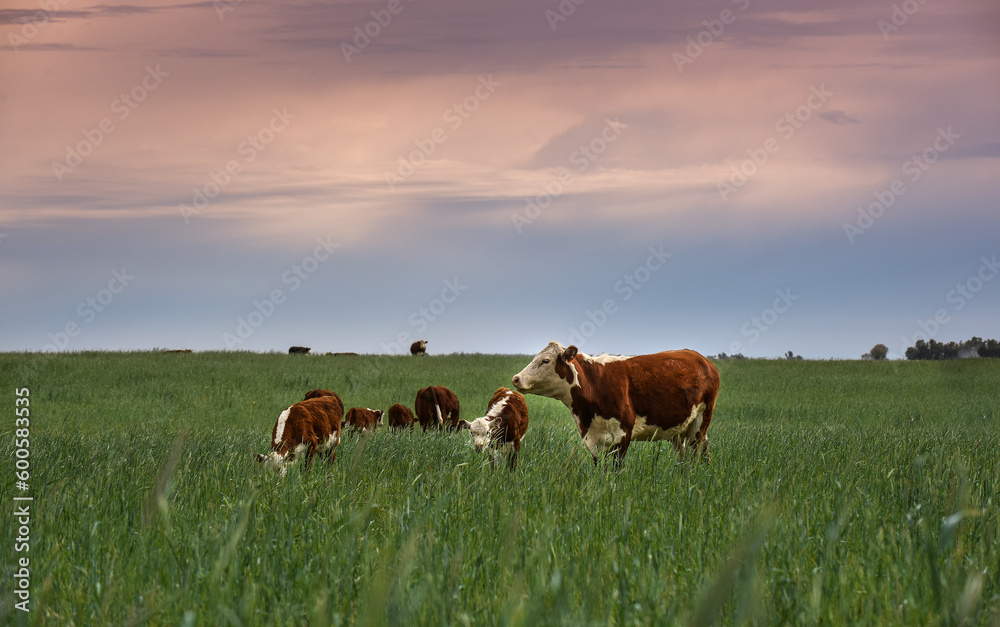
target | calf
[
  {"x": 311, "y": 426},
  {"x": 318, "y": 393},
  {"x": 437, "y": 407},
  {"x": 616, "y": 400},
  {"x": 503, "y": 426},
  {"x": 400, "y": 417},
  {"x": 419, "y": 347},
  {"x": 363, "y": 419}
]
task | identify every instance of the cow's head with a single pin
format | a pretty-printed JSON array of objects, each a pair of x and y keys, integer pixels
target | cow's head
[
  {"x": 274, "y": 460},
  {"x": 482, "y": 433},
  {"x": 551, "y": 373}
]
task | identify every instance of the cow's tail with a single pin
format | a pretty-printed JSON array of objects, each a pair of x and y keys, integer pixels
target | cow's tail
[{"x": 437, "y": 407}]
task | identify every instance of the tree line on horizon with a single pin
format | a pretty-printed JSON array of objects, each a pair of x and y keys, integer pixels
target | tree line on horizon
[{"x": 931, "y": 350}]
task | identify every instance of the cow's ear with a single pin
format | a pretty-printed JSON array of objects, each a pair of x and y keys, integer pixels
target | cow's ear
[{"x": 569, "y": 353}]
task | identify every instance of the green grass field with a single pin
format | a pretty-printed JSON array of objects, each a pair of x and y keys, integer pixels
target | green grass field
[{"x": 839, "y": 493}]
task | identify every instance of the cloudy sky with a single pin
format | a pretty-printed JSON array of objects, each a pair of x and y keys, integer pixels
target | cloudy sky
[{"x": 746, "y": 176}]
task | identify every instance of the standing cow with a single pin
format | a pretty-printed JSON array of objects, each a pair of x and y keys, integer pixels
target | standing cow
[
  {"x": 400, "y": 417},
  {"x": 363, "y": 419},
  {"x": 503, "y": 426},
  {"x": 437, "y": 407},
  {"x": 311, "y": 426},
  {"x": 419, "y": 347},
  {"x": 616, "y": 400}
]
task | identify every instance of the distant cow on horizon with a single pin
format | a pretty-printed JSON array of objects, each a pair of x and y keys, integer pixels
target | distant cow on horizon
[
  {"x": 299, "y": 350},
  {"x": 616, "y": 400},
  {"x": 419, "y": 347}
]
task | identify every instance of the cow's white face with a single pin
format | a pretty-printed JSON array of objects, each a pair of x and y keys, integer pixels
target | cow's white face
[
  {"x": 482, "y": 433},
  {"x": 275, "y": 461},
  {"x": 549, "y": 374}
]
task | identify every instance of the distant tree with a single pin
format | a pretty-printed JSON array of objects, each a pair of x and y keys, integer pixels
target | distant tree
[
  {"x": 792, "y": 356},
  {"x": 934, "y": 350},
  {"x": 879, "y": 351},
  {"x": 918, "y": 351},
  {"x": 989, "y": 348}
]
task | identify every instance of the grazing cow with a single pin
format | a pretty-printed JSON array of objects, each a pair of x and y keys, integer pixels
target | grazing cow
[
  {"x": 616, "y": 400},
  {"x": 503, "y": 426},
  {"x": 311, "y": 426},
  {"x": 318, "y": 393},
  {"x": 299, "y": 350},
  {"x": 419, "y": 347},
  {"x": 400, "y": 417},
  {"x": 363, "y": 419},
  {"x": 436, "y": 407}
]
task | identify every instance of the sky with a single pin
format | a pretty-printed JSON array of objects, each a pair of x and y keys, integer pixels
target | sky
[{"x": 738, "y": 176}]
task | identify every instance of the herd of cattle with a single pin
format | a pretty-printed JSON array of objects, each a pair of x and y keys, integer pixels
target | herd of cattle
[{"x": 614, "y": 400}]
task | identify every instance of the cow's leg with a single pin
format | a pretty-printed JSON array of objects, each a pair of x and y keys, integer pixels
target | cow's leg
[
  {"x": 329, "y": 454},
  {"x": 618, "y": 451},
  {"x": 701, "y": 437},
  {"x": 310, "y": 453},
  {"x": 512, "y": 457},
  {"x": 330, "y": 448}
]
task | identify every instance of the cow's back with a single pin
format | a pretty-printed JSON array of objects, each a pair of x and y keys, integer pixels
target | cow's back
[
  {"x": 514, "y": 415},
  {"x": 436, "y": 396},
  {"x": 400, "y": 416},
  {"x": 665, "y": 387},
  {"x": 317, "y": 393},
  {"x": 317, "y": 417}
]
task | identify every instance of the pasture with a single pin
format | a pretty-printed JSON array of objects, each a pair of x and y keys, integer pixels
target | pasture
[{"x": 838, "y": 493}]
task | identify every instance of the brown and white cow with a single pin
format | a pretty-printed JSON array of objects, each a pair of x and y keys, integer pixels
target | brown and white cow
[
  {"x": 311, "y": 426},
  {"x": 616, "y": 400},
  {"x": 503, "y": 426},
  {"x": 437, "y": 407},
  {"x": 400, "y": 417},
  {"x": 419, "y": 347},
  {"x": 317, "y": 393},
  {"x": 363, "y": 419}
]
